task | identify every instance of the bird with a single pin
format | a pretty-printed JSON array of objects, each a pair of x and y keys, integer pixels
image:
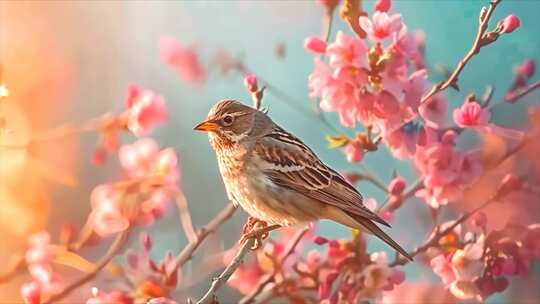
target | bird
[{"x": 277, "y": 179}]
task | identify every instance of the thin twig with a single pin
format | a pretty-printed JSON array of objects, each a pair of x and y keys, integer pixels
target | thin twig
[
  {"x": 210, "y": 296},
  {"x": 187, "y": 253},
  {"x": 478, "y": 43},
  {"x": 514, "y": 96},
  {"x": 61, "y": 132},
  {"x": 185, "y": 217},
  {"x": 269, "y": 278},
  {"x": 115, "y": 248}
]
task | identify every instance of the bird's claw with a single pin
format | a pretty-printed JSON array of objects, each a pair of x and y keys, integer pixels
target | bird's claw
[{"x": 255, "y": 229}]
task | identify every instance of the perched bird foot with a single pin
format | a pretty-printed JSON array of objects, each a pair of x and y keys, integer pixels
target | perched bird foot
[{"x": 259, "y": 234}]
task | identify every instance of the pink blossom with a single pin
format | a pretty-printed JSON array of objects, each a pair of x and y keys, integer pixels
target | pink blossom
[
  {"x": 31, "y": 293},
  {"x": 471, "y": 114},
  {"x": 435, "y": 111},
  {"x": 315, "y": 45},
  {"x": 145, "y": 110},
  {"x": 347, "y": 50},
  {"x": 509, "y": 24},
  {"x": 379, "y": 277},
  {"x": 443, "y": 268},
  {"x": 467, "y": 262},
  {"x": 106, "y": 215},
  {"x": 250, "y": 82},
  {"x": 414, "y": 88},
  {"x": 402, "y": 142},
  {"x": 337, "y": 252},
  {"x": 383, "y": 5},
  {"x": 319, "y": 78},
  {"x": 354, "y": 152},
  {"x": 143, "y": 159},
  {"x": 397, "y": 185},
  {"x": 245, "y": 278},
  {"x": 39, "y": 257},
  {"x": 526, "y": 69},
  {"x": 381, "y": 26},
  {"x": 184, "y": 60}
]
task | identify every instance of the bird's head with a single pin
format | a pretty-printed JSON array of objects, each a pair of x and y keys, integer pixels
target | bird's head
[{"x": 229, "y": 123}]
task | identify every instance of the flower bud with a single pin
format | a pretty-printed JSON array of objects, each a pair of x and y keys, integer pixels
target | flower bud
[
  {"x": 383, "y": 5},
  {"x": 315, "y": 45},
  {"x": 146, "y": 241},
  {"x": 509, "y": 24},
  {"x": 396, "y": 186},
  {"x": 319, "y": 240},
  {"x": 449, "y": 137},
  {"x": 526, "y": 69},
  {"x": 250, "y": 82},
  {"x": 479, "y": 219}
]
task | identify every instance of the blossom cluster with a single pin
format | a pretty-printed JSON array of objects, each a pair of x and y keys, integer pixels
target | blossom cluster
[{"x": 477, "y": 265}]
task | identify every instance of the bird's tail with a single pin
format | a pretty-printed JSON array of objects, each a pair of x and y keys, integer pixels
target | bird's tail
[{"x": 374, "y": 229}]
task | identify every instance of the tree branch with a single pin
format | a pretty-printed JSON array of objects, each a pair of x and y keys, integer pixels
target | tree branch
[
  {"x": 187, "y": 253},
  {"x": 270, "y": 278},
  {"x": 210, "y": 296},
  {"x": 185, "y": 217},
  {"x": 514, "y": 96},
  {"x": 115, "y": 248},
  {"x": 478, "y": 43}
]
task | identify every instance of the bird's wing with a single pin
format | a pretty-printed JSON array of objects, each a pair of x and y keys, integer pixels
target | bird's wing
[{"x": 289, "y": 163}]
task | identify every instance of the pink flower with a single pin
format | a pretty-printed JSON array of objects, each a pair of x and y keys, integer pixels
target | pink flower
[
  {"x": 31, "y": 293},
  {"x": 354, "y": 152},
  {"x": 39, "y": 257},
  {"x": 443, "y": 268},
  {"x": 315, "y": 45},
  {"x": 509, "y": 24},
  {"x": 337, "y": 252},
  {"x": 143, "y": 159},
  {"x": 402, "y": 142},
  {"x": 319, "y": 78},
  {"x": 184, "y": 60},
  {"x": 526, "y": 69},
  {"x": 414, "y": 88},
  {"x": 145, "y": 110},
  {"x": 250, "y": 82},
  {"x": 397, "y": 185},
  {"x": 347, "y": 50},
  {"x": 435, "y": 111},
  {"x": 245, "y": 278},
  {"x": 471, "y": 114},
  {"x": 383, "y": 5},
  {"x": 106, "y": 215},
  {"x": 381, "y": 26},
  {"x": 467, "y": 262},
  {"x": 378, "y": 276}
]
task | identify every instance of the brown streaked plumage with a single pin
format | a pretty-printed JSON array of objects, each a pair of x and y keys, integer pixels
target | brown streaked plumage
[{"x": 276, "y": 178}]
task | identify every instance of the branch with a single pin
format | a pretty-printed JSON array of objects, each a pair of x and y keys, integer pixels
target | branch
[
  {"x": 210, "y": 296},
  {"x": 116, "y": 246},
  {"x": 270, "y": 278},
  {"x": 63, "y": 131},
  {"x": 187, "y": 253},
  {"x": 514, "y": 96},
  {"x": 480, "y": 41},
  {"x": 185, "y": 217}
]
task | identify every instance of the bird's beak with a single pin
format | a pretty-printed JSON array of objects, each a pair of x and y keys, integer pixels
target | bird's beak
[{"x": 206, "y": 126}]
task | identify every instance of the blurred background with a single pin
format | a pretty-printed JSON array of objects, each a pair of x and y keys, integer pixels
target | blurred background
[{"x": 69, "y": 61}]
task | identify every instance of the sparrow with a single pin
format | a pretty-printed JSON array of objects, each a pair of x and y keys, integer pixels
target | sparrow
[{"x": 277, "y": 179}]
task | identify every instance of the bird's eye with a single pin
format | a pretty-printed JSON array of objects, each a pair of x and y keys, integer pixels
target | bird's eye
[{"x": 227, "y": 120}]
